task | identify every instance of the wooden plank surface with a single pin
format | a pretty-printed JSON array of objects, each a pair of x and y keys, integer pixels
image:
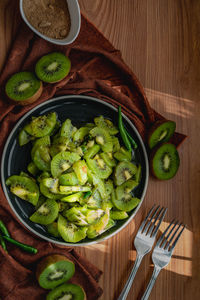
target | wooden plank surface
[{"x": 159, "y": 40}]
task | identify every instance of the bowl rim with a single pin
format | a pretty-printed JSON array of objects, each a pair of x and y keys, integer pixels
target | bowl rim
[
  {"x": 51, "y": 40},
  {"x": 5, "y": 188}
]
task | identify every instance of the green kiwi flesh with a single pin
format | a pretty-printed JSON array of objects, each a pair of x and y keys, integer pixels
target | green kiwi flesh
[
  {"x": 67, "y": 291},
  {"x": 53, "y": 67},
  {"x": 161, "y": 132},
  {"x": 24, "y": 137},
  {"x": 23, "y": 87},
  {"x": 106, "y": 124},
  {"x": 62, "y": 161},
  {"x": 46, "y": 213},
  {"x": 98, "y": 228},
  {"x": 164, "y": 161},
  {"x": 24, "y": 187},
  {"x": 103, "y": 138},
  {"x": 124, "y": 171},
  {"x": 52, "y": 228},
  {"x": 68, "y": 179},
  {"x": 98, "y": 166},
  {"x": 69, "y": 231},
  {"x": 53, "y": 270}
]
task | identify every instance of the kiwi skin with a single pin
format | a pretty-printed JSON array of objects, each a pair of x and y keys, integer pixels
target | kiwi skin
[
  {"x": 31, "y": 99},
  {"x": 153, "y": 152},
  {"x": 48, "y": 260}
]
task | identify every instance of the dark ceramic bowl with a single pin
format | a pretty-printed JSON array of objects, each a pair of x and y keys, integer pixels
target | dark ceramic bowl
[{"x": 81, "y": 110}]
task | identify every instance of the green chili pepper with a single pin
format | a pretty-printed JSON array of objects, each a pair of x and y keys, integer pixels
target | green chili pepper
[
  {"x": 131, "y": 140},
  {"x": 87, "y": 195},
  {"x": 24, "y": 247},
  {"x": 3, "y": 229},
  {"x": 3, "y": 244},
  {"x": 122, "y": 130}
]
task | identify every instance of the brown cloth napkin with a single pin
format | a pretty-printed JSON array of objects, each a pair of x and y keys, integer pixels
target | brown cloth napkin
[{"x": 97, "y": 70}]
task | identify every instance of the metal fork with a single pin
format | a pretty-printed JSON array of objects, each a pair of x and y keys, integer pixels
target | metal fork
[
  {"x": 143, "y": 242},
  {"x": 163, "y": 251}
]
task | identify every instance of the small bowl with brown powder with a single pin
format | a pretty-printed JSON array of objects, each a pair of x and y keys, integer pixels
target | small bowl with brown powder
[{"x": 57, "y": 21}]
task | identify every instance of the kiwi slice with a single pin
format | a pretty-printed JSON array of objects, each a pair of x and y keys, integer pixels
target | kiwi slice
[
  {"x": 123, "y": 155},
  {"x": 42, "y": 158},
  {"x": 74, "y": 188},
  {"x": 99, "y": 183},
  {"x": 47, "y": 193},
  {"x": 67, "y": 291},
  {"x": 24, "y": 138},
  {"x": 108, "y": 158},
  {"x": 52, "y": 184},
  {"x": 80, "y": 134},
  {"x": 41, "y": 200},
  {"x": 161, "y": 132},
  {"x": 80, "y": 169},
  {"x": 54, "y": 270},
  {"x": 53, "y": 67},
  {"x": 46, "y": 213},
  {"x": 106, "y": 124},
  {"x": 72, "y": 198},
  {"x": 95, "y": 200},
  {"x": 63, "y": 161},
  {"x": 52, "y": 228},
  {"x": 43, "y": 175},
  {"x": 24, "y": 187},
  {"x": 67, "y": 129},
  {"x": 118, "y": 214},
  {"x": 42, "y": 125},
  {"x": 122, "y": 199},
  {"x": 116, "y": 144},
  {"x": 99, "y": 167},
  {"x": 23, "y": 88},
  {"x": 68, "y": 179},
  {"x": 59, "y": 144},
  {"x": 32, "y": 168},
  {"x": 44, "y": 141},
  {"x": 103, "y": 138},
  {"x": 69, "y": 231},
  {"x": 124, "y": 171},
  {"x": 164, "y": 161},
  {"x": 92, "y": 151},
  {"x": 77, "y": 215},
  {"x": 96, "y": 229}
]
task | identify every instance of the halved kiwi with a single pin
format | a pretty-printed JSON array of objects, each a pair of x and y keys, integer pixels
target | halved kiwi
[
  {"x": 54, "y": 270},
  {"x": 67, "y": 291},
  {"x": 46, "y": 213},
  {"x": 164, "y": 161},
  {"x": 69, "y": 231},
  {"x": 53, "y": 67},
  {"x": 63, "y": 161},
  {"x": 124, "y": 171},
  {"x": 23, "y": 88},
  {"x": 24, "y": 187},
  {"x": 161, "y": 132}
]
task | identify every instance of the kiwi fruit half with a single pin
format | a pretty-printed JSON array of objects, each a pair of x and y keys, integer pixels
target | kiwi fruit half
[
  {"x": 24, "y": 187},
  {"x": 53, "y": 67},
  {"x": 161, "y": 132},
  {"x": 63, "y": 161},
  {"x": 23, "y": 88},
  {"x": 67, "y": 291},
  {"x": 46, "y": 213},
  {"x": 164, "y": 161},
  {"x": 124, "y": 171},
  {"x": 54, "y": 270}
]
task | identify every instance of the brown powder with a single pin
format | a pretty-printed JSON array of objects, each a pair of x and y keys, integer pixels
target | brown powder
[{"x": 49, "y": 17}]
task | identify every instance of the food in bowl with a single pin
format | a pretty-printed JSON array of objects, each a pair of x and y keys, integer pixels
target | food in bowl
[
  {"x": 50, "y": 17},
  {"x": 81, "y": 180}
]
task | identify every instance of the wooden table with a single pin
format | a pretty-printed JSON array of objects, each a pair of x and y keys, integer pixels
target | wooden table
[{"x": 160, "y": 41}]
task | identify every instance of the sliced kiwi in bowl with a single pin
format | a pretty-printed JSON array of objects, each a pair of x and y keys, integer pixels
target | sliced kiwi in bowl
[
  {"x": 53, "y": 67},
  {"x": 54, "y": 270},
  {"x": 161, "y": 132},
  {"x": 23, "y": 88},
  {"x": 164, "y": 161}
]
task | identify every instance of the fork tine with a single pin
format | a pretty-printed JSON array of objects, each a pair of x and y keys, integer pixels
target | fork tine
[
  {"x": 177, "y": 238},
  {"x": 166, "y": 238},
  {"x": 149, "y": 223},
  {"x": 163, "y": 235},
  {"x": 158, "y": 225},
  {"x": 173, "y": 235},
  {"x": 152, "y": 227},
  {"x": 144, "y": 222}
]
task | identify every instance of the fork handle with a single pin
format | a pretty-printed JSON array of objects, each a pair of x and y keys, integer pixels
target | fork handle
[
  {"x": 129, "y": 282},
  {"x": 154, "y": 276}
]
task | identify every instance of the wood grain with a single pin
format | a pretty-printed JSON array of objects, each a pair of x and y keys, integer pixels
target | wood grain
[{"x": 159, "y": 40}]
